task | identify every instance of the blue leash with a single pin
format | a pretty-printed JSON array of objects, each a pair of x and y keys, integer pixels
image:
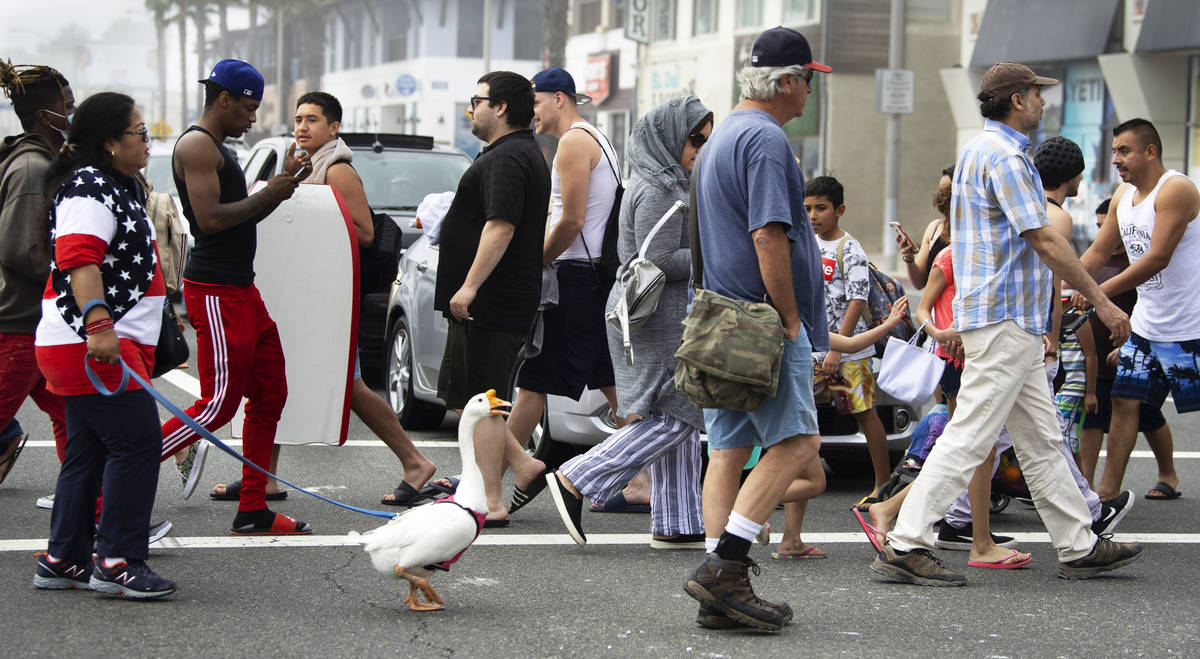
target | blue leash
[{"x": 188, "y": 421}]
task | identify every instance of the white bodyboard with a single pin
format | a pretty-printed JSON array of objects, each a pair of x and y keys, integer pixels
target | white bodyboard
[{"x": 306, "y": 269}]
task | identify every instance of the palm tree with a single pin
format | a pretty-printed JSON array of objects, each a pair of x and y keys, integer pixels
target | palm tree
[
  {"x": 199, "y": 15},
  {"x": 180, "y": 19},
  {"x": 159, "y": 9},
  {"x": 554, "y": 30}
]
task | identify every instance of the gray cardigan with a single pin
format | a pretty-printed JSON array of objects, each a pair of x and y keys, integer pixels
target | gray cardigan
[{"x": 648, "y": 385}]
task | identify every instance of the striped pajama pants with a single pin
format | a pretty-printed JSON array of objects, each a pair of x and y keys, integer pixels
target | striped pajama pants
[{"x": 670, "y": 448}]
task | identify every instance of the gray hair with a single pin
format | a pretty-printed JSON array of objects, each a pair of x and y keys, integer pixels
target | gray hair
[{"x": 762, "y": 83}]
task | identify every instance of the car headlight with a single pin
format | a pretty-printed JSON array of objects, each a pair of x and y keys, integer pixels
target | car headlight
[{"x": 902, "y": 419}]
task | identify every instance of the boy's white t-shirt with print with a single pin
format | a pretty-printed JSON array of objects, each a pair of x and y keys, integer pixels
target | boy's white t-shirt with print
[{"x": 840, "y": 290}]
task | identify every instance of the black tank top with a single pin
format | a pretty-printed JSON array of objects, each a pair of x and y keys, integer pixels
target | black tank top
[
  {"x": 225, "y": 257},
  {"x": 935, "y": 248}
]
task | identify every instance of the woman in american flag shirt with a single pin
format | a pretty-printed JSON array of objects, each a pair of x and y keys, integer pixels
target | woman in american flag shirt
[{"x": 103, "y": 300}]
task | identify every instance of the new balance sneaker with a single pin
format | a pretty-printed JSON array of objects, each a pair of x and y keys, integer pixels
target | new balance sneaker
[
  {"x": 1112, "y": 512},
  {"x": 958, "y": 538},
  {"x": 61, "y": 575},
  {"x": 129, "y": 579},
  {"x": 918, "y": 566},
  {"x": 570, "y": 508},
  {"x": 724, "y": 587},
  {"x": 46, "y": 502},
  {"x": 1106, "y": 555},
  {"x": 159, "y": 531}
]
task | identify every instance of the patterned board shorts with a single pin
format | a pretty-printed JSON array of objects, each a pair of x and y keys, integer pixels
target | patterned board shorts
[
  {"x": 1147, "y": 370},
  {"x": 852, "y": 392},
  {"x": 1071, "y": 414}
]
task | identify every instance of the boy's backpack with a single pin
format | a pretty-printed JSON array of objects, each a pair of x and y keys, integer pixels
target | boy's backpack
[
  {"x": 379, "y": 262},
  {"x": 883, "y": 291},
  {"x": 609, "y": 260}
]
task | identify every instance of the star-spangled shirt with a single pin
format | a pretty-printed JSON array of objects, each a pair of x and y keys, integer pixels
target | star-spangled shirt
[{"x": 96, "y": 220}]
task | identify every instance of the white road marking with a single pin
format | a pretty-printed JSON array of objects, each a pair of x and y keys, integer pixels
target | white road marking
[
  {"x": 540, "y": 539},
  {"x": 184, "y": 382}
]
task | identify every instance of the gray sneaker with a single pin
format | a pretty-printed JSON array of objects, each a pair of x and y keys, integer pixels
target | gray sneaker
[
  {"x": 918, "y": 566},
  {"x": 724, "y": 588},
  {"x": 1106, "y": 555},
  {"x": 197, "y": 455},
  {"x": 46, "y": 502}
]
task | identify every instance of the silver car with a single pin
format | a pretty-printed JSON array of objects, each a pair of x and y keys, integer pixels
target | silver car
[{"x": 417, "y": 335}]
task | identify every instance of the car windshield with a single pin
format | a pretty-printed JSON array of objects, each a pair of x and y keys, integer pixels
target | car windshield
[
  {"x": 158, "y": 170},
  {"x": 400, "y": 180}
]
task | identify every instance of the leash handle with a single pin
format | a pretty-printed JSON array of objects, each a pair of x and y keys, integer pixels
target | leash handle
[{"x": 127, "y": 373}]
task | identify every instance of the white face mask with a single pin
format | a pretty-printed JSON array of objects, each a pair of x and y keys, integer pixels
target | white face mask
[{"x": 66, "y": 118}]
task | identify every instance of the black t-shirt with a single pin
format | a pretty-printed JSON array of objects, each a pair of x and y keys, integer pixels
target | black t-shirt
[
  {"x": 225, "y": 257},
  {"x": 509, "y": 181}
]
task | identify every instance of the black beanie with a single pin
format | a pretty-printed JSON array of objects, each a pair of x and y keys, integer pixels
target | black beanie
[{"x": 1058, "y": 160}]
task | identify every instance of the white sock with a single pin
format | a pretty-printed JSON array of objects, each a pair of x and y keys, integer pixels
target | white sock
[
  {"x": 111, "y": 561},
  {"x": 710, "y": 545},
  {"x": 742, "y": 527},
  {"x": 52, "y": 559}
]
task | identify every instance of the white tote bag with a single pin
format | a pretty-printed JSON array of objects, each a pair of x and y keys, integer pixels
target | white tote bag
[{"x": 909, "y": 372}]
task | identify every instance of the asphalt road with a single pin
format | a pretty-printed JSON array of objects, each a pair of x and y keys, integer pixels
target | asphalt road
[{"x": 528, "y": 591}]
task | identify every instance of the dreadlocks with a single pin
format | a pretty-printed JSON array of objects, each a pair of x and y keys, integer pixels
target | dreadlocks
[{"x": 31, "y": 88}]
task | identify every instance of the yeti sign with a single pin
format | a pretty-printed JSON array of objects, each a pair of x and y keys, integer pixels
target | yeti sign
[{"x": 637, "y": 21}]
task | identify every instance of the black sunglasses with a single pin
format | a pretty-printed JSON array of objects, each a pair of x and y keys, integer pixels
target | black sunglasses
[
  {"x": 144, "y": 133},
  {"x": 806, "y": 75},
  {"x": 697, "y": 139}
]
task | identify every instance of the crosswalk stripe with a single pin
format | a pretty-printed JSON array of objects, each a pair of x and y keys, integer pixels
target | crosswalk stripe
[{"x": 540, "y": 539}]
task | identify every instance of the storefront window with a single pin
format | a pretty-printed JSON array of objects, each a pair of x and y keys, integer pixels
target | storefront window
[
  {"x": 704, "y": 16},
  {"x": 664, "y": 20}
]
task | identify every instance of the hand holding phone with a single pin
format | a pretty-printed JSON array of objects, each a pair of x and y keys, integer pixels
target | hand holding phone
[{"x": 906, "y": 243}]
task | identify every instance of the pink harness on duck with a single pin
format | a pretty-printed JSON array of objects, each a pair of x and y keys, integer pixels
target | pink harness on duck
[{"x": 480, "y": 518}]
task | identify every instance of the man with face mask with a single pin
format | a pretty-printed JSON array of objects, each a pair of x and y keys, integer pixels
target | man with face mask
[{"x": 43, "y": 101}]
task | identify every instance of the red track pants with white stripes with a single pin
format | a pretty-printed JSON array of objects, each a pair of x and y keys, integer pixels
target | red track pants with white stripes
[{"x": 239, "y": 355}]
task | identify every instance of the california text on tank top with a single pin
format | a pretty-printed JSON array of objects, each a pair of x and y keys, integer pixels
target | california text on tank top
[
  {"x": 225, "y": 257},
  {"x": 1168, "y": 305}
]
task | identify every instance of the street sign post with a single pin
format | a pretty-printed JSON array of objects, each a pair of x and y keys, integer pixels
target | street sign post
[{"x": 895, "y": 91}]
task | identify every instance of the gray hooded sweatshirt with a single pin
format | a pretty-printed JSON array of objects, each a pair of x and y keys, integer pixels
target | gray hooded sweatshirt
[{"x": 24, "y": 231}]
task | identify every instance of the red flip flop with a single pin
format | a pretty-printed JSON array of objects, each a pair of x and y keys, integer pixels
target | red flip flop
[
  {"x": 871, "y": 531},
  {"x": 1001, "y": 565},
  {"x": 280, "y": 525}
]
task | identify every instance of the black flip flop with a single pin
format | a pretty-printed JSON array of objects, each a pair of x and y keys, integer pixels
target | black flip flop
[
  {"x": 404, "y": 495},
  {"x": 520, "y": 497},
  {"x": 233, "y": 492},
  {"x": 1168, "y": 492},
  {"x": 495, "y": 523},
  {"x": 432, "y": 491}
]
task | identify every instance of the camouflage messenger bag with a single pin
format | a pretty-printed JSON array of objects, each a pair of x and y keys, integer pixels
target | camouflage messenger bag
[{"x": 731, "y": 350}]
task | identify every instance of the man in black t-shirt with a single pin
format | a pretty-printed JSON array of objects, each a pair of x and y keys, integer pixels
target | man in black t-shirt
[{"x": 489, "y": 269}]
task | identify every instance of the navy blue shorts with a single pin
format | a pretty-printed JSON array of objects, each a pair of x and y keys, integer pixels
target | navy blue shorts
[
  {"x": 1150, "y": 418},
  {"x": 574, "y": 339}
]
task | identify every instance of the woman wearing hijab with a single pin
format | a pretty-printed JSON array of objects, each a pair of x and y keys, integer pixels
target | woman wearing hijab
[{"x": 666, "y": 438}]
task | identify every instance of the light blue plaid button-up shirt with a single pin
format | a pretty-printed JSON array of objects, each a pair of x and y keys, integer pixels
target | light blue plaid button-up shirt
[{"x": 997, "y": 195}]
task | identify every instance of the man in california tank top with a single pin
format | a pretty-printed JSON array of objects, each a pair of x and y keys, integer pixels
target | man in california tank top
[{"x": 1154, "y": 214}]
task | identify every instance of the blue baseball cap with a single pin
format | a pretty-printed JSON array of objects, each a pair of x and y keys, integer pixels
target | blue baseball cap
[
  {"x": 237, "y": 77},
  {"x": 781, "y": 46},
  {"x": 555, "y": 79}
]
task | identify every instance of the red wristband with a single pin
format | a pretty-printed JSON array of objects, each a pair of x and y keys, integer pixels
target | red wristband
[{"x": 98, "y": 326}]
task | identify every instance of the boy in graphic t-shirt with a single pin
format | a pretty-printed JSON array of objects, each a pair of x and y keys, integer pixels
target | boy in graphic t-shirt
[{"x": 847, "y": 282}]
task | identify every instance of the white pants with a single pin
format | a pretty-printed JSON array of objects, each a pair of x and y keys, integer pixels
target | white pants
[{"x": 1003, "y": 384}]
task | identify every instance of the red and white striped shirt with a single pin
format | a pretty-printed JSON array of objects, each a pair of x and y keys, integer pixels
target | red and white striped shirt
[{"x": 97, "y": 220}]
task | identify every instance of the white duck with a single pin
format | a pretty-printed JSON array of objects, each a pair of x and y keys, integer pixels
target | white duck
[{"x": 414, "y": 544}]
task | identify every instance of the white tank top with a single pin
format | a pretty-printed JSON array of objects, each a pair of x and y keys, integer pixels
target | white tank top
[
  {"x": 602, "y": 189},
  {"x": 1168, "y": 305}
]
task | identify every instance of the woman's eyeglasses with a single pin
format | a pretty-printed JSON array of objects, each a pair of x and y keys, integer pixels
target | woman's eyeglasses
[
  {"x": 144, "y": 133},
  {"x": 697, "y": 139}
]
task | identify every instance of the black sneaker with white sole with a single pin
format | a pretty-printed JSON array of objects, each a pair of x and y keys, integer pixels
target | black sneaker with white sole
[
  {"x": 129, "y": 579},
  {"x": 570, "y": 508},
  {"x": 1112, "y": 512},
  {"x": 959, "y": 538},
  {"x": 61, "y": 575}
]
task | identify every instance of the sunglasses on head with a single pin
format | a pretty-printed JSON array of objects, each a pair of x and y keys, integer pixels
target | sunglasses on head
[{"x": 697, "y": 139}]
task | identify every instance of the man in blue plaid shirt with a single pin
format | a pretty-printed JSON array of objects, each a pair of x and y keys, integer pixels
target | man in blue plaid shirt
[{"x": 1003, "y": 243}]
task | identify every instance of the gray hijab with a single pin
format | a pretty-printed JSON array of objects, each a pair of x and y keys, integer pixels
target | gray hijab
[{"x": 657, "y": 141}]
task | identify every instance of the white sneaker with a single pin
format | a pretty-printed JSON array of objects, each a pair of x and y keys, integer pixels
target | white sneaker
[
  {"x": 193, "y": 476},
  {"x": 159, "y": 531},
  {"x": 46, "y": 502}
]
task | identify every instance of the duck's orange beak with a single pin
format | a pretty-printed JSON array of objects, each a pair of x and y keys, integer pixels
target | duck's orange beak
[{"x": 499, "y": 406}]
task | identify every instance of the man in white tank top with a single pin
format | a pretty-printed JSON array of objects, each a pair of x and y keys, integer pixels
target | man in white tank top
[
  {"x": 583, "y": 191},
  {"x": 1154, "y": 214}
]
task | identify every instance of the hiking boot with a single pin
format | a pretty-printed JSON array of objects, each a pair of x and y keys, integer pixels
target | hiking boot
[
  {"x": 1106, "y": 555},
  {"x": 61, "y": 575},
  {"x": 1112, "y": 512},
  {"x": 131, "y": 579},
  {"x": 724, "y": 587},
  {"x": 959, "y": 538},
  {"x": 918, "y": 566}
]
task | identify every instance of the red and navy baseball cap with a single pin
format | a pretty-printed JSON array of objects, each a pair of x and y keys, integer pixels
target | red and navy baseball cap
[
  {"x": 238, "y": 78},
  {"x": 555, "y": 79},
  {"x": 781, "y": 46}
]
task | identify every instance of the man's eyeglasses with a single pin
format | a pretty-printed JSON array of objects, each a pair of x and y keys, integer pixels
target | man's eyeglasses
[
  {"x": 476, "y": 99},
  {"x": 806, "y": 74},
  {"x": 697, "y": 139},
  {"x": 144, "y": 133}
]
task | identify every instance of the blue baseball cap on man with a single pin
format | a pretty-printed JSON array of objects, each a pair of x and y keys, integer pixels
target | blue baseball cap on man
[
  {"x": 238, "y": 78},
  {"x": 781, "y": 46},
  {"x": 555, "y": 79}
]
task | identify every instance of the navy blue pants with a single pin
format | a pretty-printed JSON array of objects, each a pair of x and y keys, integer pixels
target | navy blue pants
[{"x": 114, "y": 443}]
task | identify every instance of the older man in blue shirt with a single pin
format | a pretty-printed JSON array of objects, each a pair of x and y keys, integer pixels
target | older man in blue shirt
[{"x": 1003, "y": 243}]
